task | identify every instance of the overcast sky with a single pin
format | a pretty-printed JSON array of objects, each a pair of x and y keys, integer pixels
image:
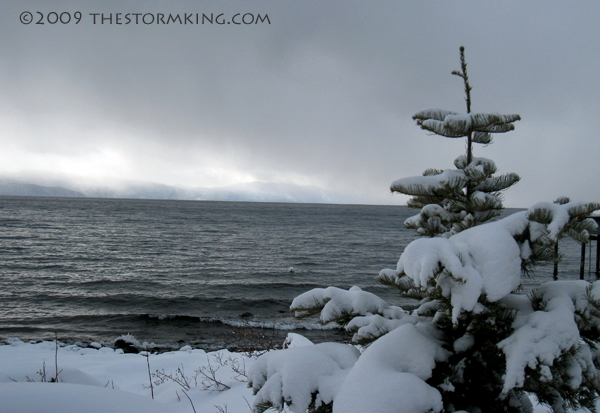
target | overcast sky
[{"x": 323, "y": 95}]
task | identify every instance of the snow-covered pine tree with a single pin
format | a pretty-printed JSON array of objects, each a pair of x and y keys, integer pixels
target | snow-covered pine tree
[
  {"x": 454, "y": 200},
  {"x": 473, "y": 344}
]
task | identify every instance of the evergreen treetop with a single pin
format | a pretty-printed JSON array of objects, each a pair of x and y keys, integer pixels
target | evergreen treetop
[{"x": 454, "y": 200}]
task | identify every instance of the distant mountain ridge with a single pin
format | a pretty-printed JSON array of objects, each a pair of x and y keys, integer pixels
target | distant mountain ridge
[
  {"x": 251, "y": 192},
  {"x": 15, "y": 188}
]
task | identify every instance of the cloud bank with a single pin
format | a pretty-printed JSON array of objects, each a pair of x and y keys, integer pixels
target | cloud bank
[{"x": 322, "y": 96}]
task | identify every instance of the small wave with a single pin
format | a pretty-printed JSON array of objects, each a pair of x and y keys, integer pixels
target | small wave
[
  {"x": 238, "y": 322},
  {"x": 273, "y": 325},
  {"x": 306, "y": 263},
  {"x": 174, "y": 318}
]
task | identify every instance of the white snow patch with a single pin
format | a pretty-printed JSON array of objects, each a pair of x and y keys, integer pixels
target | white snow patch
[
  {"x": 390, "y": 374},
  {"x": 72, "y": 398},
  {"x": 293, "y": 375},
  {"x": 336, "y": 301}
]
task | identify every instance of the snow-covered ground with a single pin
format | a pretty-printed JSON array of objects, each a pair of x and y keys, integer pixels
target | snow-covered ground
[
  {"x": 103, "y": 380},
  {"x": 107, "y": 380}
]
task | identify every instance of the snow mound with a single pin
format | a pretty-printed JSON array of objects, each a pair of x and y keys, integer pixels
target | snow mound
[
  {"x": 390, "y": 374},
  {"x": 72, "y": 398},
  {"x": 300, "y": 376}
]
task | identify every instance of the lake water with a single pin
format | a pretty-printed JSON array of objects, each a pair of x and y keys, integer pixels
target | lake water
[{"x": 194, "y": 272}]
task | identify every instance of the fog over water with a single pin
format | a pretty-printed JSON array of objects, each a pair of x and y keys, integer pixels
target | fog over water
[{"x": 318, "y": 94}]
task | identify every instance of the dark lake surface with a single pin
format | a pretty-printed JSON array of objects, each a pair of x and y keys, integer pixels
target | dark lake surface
[{"x": 173, "y": 272}]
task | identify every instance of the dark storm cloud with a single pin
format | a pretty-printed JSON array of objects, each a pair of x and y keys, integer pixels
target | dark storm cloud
[{"x": 324, "y": 94}]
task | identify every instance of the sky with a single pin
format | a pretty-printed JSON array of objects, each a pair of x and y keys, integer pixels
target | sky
[{"x": 321, "y": 94}]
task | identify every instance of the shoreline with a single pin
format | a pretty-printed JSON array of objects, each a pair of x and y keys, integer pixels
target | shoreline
[{"x": 242, "y": 338}]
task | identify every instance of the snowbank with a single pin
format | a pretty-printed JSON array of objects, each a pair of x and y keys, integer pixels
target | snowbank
[
  {"x": 105, "y": 380},
  {"x": 390, "y": 374},
  {"x": 72, "y": 398},
  {"x": 301, "y": 376}
]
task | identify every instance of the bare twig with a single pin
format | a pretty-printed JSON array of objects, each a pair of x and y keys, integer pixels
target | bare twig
[
  {"x": 238, "y": 368},
  {"x": 252, "y": 341},
  {"x": 210, "y": 381},
  {"x": 178, "y": 377},
  {"x": 55, "y": 378},
  {"x": 42, "y": 373},
  {"x": 222, "y": 409},
  {"x": 249, "y": 405},
  {"x": 147, "y": 355},
  {"x": 56, "y": 356},
  {"x": 188, "y": 397}
]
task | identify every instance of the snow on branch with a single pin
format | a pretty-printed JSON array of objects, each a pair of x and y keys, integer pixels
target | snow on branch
[
  {"x": 487, "y": 166},
  {"x": 430, "y": 220},
  {"x": 454, "y": 125},
  {"x": 566, "y": 217},
  {"x": 390, "y": 375},
  {"x": 484, "y": 138},
  {"x": 338, "y": 305},
  {"x": 449, "y": 181},
  {"x": 498, "y": 183},
  {"x": 492, "y": 122},
  {"x": 543, "y": 336},
  {"x": 360, "y": 312},
  {"x": 487, "y": 259},
  {"x": 481, "y": 260},
  {"x": 454, "y": 200},
  {"x": 432, "y": 113},
  {"x": 441, "y": 261},
  {"x": 300, "y": 377},
  {"x": 580, "y": 230},
  {"x": 439, "y": 128},
  {"x": 481, "y": 201},
  {"x": 369, "y": 327}
]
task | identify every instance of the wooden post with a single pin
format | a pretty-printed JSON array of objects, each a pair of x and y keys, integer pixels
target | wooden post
[
  {"x": 597, "y": 257},
  {"x": 596, "y": 237},
  {"x": 556, "y": 261},
  {"x": 582, "y": 265}
]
